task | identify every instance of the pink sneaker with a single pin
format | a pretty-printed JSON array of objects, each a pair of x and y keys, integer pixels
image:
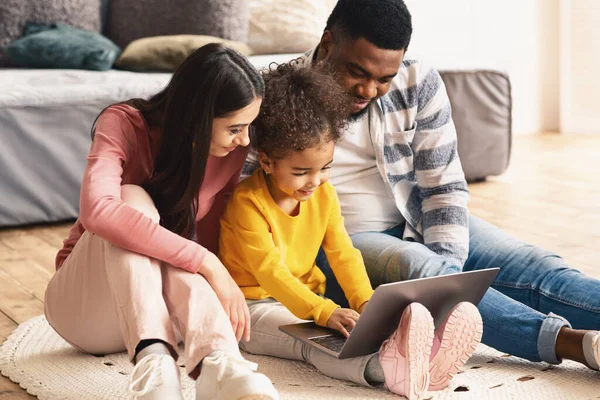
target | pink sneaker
[
  {"x": 404, "y": 357},
  {"x": 454, "y": 343}
]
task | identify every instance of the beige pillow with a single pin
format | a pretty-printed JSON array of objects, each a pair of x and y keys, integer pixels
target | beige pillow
[
  {"x": 166, "y": 53},
  {"x": 287, "y": 26}
]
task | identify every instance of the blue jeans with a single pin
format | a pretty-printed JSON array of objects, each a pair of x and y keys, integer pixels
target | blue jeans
[{"x": 532, "y": 298}]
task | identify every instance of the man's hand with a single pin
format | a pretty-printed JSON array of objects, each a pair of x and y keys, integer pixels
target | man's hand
[
  {"x": 343, "y": 320},
  {"x": 229, "y": 294}
]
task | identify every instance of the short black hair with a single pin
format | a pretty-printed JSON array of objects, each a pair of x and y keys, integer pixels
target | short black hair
[{"x": 385, "y": 23}]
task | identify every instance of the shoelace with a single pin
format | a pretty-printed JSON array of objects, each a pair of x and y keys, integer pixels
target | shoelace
[
  {"x": 151, "y": 364},
  {"x": 224, "y": 359}
]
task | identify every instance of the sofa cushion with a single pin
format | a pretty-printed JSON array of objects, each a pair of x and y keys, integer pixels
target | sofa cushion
[
  {"x": 14, "y": 14},
  {"x": 63, "y": 46},
  {"x": 165, "y": 53},
  {"x": 130, "y": 20},
  {"x": 286, "y": 26}
]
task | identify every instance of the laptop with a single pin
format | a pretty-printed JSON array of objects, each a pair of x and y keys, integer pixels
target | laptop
[{"x": 382, "y": 315}]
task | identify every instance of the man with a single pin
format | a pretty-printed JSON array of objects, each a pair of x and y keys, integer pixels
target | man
[{"x": 404, "y": 196}]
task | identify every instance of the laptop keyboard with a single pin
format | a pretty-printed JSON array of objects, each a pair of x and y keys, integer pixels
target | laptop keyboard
[{"x": 333, "y": 342}]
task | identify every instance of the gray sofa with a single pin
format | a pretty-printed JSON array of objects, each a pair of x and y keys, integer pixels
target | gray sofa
[
  {"x": 482, "y": 112},
  {"x": 46, "y": 115}
]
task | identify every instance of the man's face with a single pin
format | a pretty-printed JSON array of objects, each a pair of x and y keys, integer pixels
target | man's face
[{"x": 365, "y": 69}]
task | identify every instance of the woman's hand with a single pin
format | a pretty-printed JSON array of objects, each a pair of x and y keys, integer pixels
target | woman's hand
[
  {"x": 343, "y": 320},
  {"x": 229, "y": 294}
]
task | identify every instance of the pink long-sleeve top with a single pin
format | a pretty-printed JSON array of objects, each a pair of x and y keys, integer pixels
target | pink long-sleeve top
[{"x": 123, "y": 152}]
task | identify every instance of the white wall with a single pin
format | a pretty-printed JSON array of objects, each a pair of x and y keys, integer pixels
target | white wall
[
  {"x": 549, "y": 64},
  {"x": 580, "y": 66},
  {"x": 549, "y": 48},
  {"x": 517, "y": 36}
]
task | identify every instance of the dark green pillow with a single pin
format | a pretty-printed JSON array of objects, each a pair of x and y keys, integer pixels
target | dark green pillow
[{"x": 63, "y": 46}]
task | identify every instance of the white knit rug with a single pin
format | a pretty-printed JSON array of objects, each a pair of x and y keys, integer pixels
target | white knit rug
[{"x": 41, "y": 362}]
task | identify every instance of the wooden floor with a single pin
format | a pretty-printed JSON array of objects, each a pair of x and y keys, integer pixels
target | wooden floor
[{"x": 550, "y": 196}]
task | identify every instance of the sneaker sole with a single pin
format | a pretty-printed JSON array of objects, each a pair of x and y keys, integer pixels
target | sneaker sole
[
  {"x": 460, "y": 338},
  {"x": 420, "y": 340},
  {"x": 163, "y": 392},
  {"x": 417, "y": 353},
  {"x": 260, "y": 389}
]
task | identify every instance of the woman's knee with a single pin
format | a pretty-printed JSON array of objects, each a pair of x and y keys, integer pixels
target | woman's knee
[
  {"x": 136, "y": 197},
  {"x": 82, "y": 335}
]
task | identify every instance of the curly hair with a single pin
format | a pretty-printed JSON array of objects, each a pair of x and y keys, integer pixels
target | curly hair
[{"x": 302, "y": 108}]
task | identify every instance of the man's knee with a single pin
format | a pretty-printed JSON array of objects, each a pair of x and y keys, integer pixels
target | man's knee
[{"x": 136, "y": 197}]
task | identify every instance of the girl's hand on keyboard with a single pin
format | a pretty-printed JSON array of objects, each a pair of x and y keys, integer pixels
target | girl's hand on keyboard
[
  {"x": 343, "y": 320},
  {"x": 361, "y": 309}
]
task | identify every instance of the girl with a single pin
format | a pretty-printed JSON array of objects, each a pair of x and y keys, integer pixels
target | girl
[
  {"x": 141, "y": 256},
  {"x": 278, "y": 219}
]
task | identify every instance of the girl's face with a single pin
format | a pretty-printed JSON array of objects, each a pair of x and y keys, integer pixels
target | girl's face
[
  {"x": 300, "y": 173},
  {"x": 231, "y": 131}
]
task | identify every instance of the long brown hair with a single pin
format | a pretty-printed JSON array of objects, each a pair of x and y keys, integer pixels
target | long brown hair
[{"x": 212, "y": 82}]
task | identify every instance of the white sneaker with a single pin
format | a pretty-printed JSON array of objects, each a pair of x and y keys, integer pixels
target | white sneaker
[
  {"x": 591, "y": 349},
  {"x": 156, "y": 377},
  {"x": 225, "y": 377}
]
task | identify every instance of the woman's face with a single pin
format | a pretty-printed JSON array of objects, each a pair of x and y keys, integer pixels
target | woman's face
[{"x": 232, "y": 131}]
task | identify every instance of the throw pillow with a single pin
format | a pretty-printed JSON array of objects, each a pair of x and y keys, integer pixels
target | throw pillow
[
  {"x": 130, "y": 20},
  {"x": 165, "y": 53},
  {"x": 286, "y": 26},
  {"x": 14, "y": 14},
  {"x": 63, "y": 46}
]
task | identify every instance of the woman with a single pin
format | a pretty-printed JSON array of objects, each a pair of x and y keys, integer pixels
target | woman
[{"x": 141, "y": 257}]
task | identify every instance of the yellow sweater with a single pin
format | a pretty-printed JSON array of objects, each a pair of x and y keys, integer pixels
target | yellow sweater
[{"x": 272, "y": 254}]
